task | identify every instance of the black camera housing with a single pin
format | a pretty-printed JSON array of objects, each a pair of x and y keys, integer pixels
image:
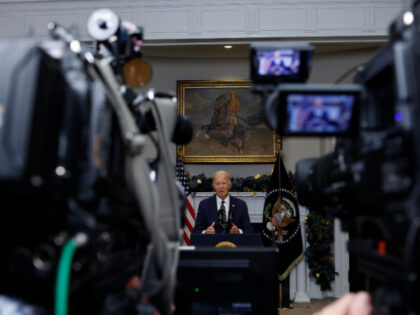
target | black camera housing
[{"x": 371, "y": 181}]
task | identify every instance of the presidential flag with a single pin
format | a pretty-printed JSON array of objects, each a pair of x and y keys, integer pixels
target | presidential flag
[
  {"x": 189, "y": 215},
  {"x": 281, "y": 225}
]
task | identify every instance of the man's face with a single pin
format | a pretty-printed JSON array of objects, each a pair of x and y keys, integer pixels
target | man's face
[
  {"x": 221, "y": 185},
  {"x": 318, "y": 103}
]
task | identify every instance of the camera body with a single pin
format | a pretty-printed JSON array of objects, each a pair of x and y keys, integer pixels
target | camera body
[
  {"x": 371, "y": 179},
  {"x": 75, "y": 174},
  {"x": 52, "y": 177}
]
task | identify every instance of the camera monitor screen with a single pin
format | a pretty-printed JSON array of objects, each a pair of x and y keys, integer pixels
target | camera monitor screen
[
  {"x": 272, "y": 65},
  {"x": 320, "y": 112},
  {"x": 278, "y": 62}
]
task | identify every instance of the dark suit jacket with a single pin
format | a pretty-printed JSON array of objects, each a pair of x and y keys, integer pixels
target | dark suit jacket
[{"x": 207, "y": 213}]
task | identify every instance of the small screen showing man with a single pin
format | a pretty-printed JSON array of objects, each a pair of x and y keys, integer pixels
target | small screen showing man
[
  {"x": 278, "y": 62},
  {"x": 330, "y": 113}
]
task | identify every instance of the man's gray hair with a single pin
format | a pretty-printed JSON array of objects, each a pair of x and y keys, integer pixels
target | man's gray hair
[{"x": 221, "y": 172}]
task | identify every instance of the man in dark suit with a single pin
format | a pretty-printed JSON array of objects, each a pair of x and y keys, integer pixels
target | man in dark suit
[
  {"x": 222, "y": 213},
  {"x": 277, "y": 65}
]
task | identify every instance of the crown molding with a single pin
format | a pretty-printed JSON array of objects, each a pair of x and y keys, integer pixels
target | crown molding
[{"x": 166, "y": 21}]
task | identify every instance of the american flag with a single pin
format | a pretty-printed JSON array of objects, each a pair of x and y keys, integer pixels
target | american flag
[{"x": 189, "y": 215}]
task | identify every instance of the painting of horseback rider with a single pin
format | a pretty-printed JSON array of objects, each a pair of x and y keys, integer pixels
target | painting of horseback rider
[
  {"x": 225, "y": 126},
  {"x": 227, "y": 121}
]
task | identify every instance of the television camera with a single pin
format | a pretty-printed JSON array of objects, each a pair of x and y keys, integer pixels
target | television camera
[
  {"x": 371, "y": 179},
  {"x": 84, "y": 158}
]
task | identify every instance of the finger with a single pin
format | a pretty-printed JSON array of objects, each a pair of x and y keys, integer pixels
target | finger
[
  {"x": 340, "y": 306},
  {"x": 361, "y": 304},
  {"x": 234, "y": 225},
  {"x": 212, "y": 224}
]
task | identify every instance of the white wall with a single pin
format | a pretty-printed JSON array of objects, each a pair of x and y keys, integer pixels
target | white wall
[{"x": 168, "y": 20}]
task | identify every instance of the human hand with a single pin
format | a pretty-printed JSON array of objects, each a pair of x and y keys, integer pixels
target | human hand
[
  {"x": 234, "y": 229},
  {"x": 210, "y": 229},
  {"x": 349, "y": 304}
]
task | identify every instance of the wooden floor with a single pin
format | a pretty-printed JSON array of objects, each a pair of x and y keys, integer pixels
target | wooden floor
[{"x": 306, "y": 308}]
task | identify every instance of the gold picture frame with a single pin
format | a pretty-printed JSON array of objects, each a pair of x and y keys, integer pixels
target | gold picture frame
[{"x": 228, "y": 123}]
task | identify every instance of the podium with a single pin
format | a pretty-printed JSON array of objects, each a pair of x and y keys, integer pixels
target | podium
[{"x": 226, "y": 240}]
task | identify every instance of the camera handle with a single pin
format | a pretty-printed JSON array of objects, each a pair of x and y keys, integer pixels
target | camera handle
[
  {"x": 159, "y": 270},
  {"x": 162, "y": 255}
]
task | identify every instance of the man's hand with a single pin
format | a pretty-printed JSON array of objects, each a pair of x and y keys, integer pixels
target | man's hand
[
  {"x": 349, "y": 304},
  {"x": 210, "y": 229},
  {"x": 234, "y": 229}
]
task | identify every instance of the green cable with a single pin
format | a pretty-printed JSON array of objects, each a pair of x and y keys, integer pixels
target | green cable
[{"x": 63, "y": 277}]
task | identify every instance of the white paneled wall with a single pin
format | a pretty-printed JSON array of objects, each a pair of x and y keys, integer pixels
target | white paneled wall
[{"x": 169, "y": 20}]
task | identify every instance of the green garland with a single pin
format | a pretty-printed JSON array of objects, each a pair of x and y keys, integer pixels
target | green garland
[
  {"x": 255, "y": 183},
  {"x": 319, "y": 225},
  {"x": 319, "y": 233}
]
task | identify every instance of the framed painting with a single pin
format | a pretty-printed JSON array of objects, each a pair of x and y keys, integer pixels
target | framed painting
[{"x": 228, "y": 123}]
